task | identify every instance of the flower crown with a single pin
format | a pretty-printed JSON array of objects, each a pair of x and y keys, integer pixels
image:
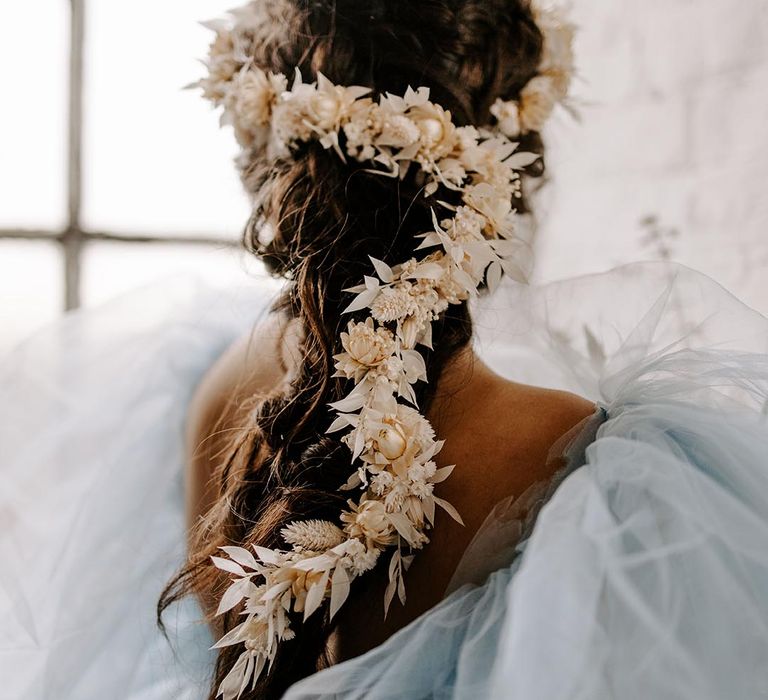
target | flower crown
[{"x": 392, "y": 444}]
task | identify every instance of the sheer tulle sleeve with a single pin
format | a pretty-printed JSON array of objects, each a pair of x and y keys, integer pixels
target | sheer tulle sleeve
[
  {"x": 640, "y": 571},
  {"x": 92, "y": 415},
  {"x": 645, "y": 574}
]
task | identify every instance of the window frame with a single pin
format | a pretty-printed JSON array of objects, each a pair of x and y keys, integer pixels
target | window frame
[{"x": 73, "y": 238}]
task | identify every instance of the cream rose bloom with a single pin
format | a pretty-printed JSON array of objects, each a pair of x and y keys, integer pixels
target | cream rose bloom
[
  {"x": 250, "y": 101},
  {"x": 318, "y": 110},
  {"x": 493, "y": 205},
  {"x": 391, "y": 440},
  {"x": 365, "y": 347},
  {"x": 369, "y": 521},
  {"x": 397, "y": 437},
  {"x": 438, "y": 134}
]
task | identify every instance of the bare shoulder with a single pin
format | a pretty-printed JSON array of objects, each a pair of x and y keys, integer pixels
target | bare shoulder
[
  {"x": 510, "y": 433},
  {"x": 500, "y": 436},
  {"x": 543, "y": 417},
  {"x": 253, "y": 365},
  {"x": 548, "y": 413},
  {"x": 251, "y": 369}
]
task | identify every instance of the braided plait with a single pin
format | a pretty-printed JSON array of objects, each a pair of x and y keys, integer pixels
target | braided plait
[{"x": 316, "y": 221}]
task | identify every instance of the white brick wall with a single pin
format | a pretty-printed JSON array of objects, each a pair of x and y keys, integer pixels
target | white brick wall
[{"x": 671, "y": 155}]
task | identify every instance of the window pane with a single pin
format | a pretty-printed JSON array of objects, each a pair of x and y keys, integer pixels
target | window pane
[
  {"x": 111, "y": 269},
  {"x": 33, "y": 51},
  {"x": 30, "y": 288},
  {"x": 155, "y": 158}
]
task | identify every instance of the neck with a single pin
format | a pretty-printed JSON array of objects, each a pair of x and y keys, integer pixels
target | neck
[{"x": 464, "y": 383}]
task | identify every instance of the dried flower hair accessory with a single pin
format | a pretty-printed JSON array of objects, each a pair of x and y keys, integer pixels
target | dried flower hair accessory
[
  {"x": 550, "y": 86},
  {"x": 393, "y": 446}
]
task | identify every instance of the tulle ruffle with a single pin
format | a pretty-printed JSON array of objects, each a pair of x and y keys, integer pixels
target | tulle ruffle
[
  {"x": 92, "y": 415},
  {"x": 640, "y": 571},
  {"x": 646, "y": 573}
]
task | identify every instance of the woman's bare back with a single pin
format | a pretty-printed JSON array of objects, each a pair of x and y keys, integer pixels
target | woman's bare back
[{"x": 498, "y": 434}]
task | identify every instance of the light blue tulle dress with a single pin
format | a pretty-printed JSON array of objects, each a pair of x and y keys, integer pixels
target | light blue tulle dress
[{"x": 640, "y": 571}]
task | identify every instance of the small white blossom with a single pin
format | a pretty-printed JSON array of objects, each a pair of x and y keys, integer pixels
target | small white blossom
[
  {"x": 356, "y": 557},
  {"x": 398, "y": 131},
  {"x": 393, "y": 304},
  {"x": 438, "y": 134},
  {"x": 467, "y": 225},
  {"x": 361, "y": 129},
  {"x": 381, "y": 482},
  {"x": 396, "y": 495},
  {"x": 421, "y": 489}
]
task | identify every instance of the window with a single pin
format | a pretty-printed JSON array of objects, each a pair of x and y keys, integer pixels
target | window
[{"x": 112, "y": 175}]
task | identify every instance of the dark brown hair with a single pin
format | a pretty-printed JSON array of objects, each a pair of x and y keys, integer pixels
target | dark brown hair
[{"x": 327, "y": 218}]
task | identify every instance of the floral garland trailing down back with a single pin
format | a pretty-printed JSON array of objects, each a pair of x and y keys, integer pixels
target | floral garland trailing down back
[{"x": 393, "y": 445}]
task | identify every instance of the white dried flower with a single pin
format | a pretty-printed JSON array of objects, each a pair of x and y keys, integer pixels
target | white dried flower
[
  {"x": 369, "y": 520},
  {"x": 381, "y": 482},
  {"x": 467, "y": 225},
  {"x": 396, "y": 495},
  {"x": 537, "y": 100},
  {"x": 393, "y": 304},
  {"x": 438, "y": 134},
  {"x": 421, "y": 489},
  {"x": 356, "y": 557},
  {"x": 289, "y": 123},
  {"x": 491, "y": 168},
  {"x": 361, "y": 128},
  {"x": 392, "y": 369},
  {"x": 398, "y": 131},
  {"x": 391, "y": 440},
  {"x": 365, "y": 347},
  {"x": 423, "y": 471},
  {"x": 215, "y": 85},
  {"x": 551, "y": 84},
  {"x": 314, "y": 110},
  {"x": 397, "y": 438},
  {"x": 249, "y": 103},
  {"x": 493, "y": 205},
  {"x": 507, "y": 115}
]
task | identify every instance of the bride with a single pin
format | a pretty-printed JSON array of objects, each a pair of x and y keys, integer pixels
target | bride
[{"x": 412, "y": 476}]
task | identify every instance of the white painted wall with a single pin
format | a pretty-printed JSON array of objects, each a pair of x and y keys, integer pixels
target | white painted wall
[{"x": 673, "y": 96}]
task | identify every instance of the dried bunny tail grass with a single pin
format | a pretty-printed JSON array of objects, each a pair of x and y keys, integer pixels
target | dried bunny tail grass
[{"x": 313, "y": 535}]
